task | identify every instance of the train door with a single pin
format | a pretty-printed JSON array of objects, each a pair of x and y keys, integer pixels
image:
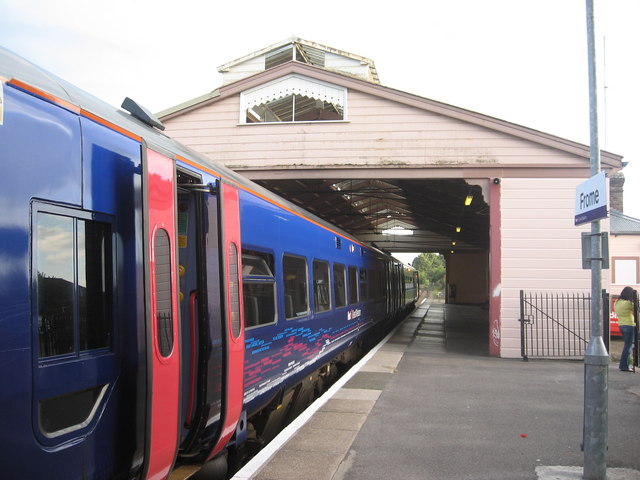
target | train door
[
  {"x": 233, "y": 317},
  {"x": 163, "y": 347},
  {"x": 201, "y": 323},
  {"x": 212, "y": 331},
  {"x": 196, "y": 344}
]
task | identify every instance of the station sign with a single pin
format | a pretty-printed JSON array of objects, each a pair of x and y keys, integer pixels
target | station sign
[{"x": 591, "y": 200}]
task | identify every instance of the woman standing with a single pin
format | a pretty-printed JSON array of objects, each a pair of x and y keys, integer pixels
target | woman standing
[{"x": 624, "y": 308}]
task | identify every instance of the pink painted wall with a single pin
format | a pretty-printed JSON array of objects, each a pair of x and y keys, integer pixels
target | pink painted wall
[
  {"x": 541, "y": 247},
  {"x": 379, "y": 132}
]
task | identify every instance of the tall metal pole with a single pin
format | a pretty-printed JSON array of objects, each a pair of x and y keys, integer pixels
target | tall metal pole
[{"x": 596, "y": 359}]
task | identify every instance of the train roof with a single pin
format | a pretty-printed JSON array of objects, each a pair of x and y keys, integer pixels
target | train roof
[{"x": 21, "y": 73}]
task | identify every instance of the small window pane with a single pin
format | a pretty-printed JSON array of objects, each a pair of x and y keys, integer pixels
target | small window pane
[
  {"x": 55, "y": 285},
  {"x": 164, "y": 313},
  {"x": 321, "y": 286},
  {"x": 308, "y": 109},
  {"x": 234, "y": 290},
  {"x": 259, "y": 304},
  {"x": 375, "y": 284},
  {"x": 296, "y": 302},
  {"x": 253, "y": 265},
  {"x": 353, "y": 285},
  {"x": 94, "y": 284},
  {"x": 258, "y": 289},
  {"x": 626, "y": 271},
  {"x": 278, "y": 57},
  {"x": 364, "y": 285},
  {"x": 340, "y": 285},
  {"x": 280, "y": 110}
]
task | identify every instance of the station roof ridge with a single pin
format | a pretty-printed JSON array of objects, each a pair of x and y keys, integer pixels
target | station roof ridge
[{"x": 293, "y": 40}]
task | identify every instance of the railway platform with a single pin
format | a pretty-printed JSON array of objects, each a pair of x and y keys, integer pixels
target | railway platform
[{"x": 430, "y": 404}]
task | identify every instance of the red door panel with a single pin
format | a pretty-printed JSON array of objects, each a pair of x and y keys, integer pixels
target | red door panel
[
  {"x": 162, "y": 321},
  {"x": 234, "y": 320}
]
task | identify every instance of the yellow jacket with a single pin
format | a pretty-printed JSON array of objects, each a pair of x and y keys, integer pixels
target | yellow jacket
[{"x": 624, "y": 312}]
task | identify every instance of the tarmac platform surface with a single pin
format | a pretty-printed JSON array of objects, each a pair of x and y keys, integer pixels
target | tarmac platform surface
[{"x": 431, "y": 404}]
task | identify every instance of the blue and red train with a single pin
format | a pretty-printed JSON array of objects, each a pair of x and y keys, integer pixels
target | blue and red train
[{"x": 158, "y": 312}]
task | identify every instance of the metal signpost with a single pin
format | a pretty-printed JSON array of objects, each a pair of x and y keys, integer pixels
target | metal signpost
[{"x": 591, "y": 198}]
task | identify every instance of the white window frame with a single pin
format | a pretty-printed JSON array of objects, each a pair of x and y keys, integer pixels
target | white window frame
[
  {"x": 624, "y": 271},
  {"x": 292, "y": 85}
]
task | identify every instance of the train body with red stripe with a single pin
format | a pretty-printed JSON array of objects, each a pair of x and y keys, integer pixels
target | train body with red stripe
[{"x": 159, "y": 313}]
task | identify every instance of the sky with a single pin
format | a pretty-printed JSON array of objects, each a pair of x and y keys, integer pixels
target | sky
[{"x": 522, "y": 61}]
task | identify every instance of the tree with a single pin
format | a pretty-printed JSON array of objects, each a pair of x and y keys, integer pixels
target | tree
[{"x": 431, "y": 268}]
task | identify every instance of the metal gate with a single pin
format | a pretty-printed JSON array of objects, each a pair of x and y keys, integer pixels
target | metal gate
[{"x": 557, "y": 325}]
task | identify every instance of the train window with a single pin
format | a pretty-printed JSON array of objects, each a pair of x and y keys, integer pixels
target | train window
[
  {"x": 353, "y": 285},
  {"x": 340, "y": 285},
  {"x": 364, "y": 285},
  {"x": 74, "y": 284},
  {"x": 293, "y": 99},
  {"x": 258, "y": 288},
  {"x": 376, "y": 282},
  {"x": 296, "y": 299},
  {"x": 321, "y": 286},
  {"x": 94, "y": 279},
  {"x": 55, "y": 285},
  {"x": 234, "y": 290},
  {"x": 162, "y": 275}
]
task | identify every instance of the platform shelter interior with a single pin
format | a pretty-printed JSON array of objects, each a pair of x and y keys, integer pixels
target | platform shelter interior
[{"x": 445, "y": 216}]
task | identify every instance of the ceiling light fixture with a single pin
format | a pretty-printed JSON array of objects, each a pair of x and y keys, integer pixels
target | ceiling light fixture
[
  {"x": 397, "y": 231},
  {"x": 468, "y": 200},
  {"x": 458, "y": 229}
]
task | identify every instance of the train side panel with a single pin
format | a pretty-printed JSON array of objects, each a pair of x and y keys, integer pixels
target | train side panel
[
  {"x": 61, "y": 350},
  {"x": 303, "y": 335}
]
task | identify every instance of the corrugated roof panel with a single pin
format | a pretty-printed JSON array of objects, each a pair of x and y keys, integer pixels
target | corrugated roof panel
[{"x": 622, "y": 224}]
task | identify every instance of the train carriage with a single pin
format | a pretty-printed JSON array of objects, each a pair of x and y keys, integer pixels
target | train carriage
[{"x": 157, "y": 311}]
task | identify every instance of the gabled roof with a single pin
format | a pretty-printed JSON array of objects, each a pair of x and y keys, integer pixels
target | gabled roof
[
  {"x": 305, "y": 51},
  {"x": 609, "y": 160},
  {"x": 622, "y": 224}
]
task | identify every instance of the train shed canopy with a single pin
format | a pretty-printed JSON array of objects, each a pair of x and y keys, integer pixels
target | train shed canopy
[{"x": 399, "y": 171}]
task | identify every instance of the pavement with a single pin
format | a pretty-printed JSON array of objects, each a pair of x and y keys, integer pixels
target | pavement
[{"x": 431, "y": 404}]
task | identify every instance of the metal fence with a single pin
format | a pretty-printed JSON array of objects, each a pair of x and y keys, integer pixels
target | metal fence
[{"x": 556, "y": 325}]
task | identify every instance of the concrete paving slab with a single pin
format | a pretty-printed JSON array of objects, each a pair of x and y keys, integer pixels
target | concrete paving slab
[
  {"x": 321, "y": 440},
  {"x": 357, "y": 394},
  {"x": 575, "y": 473},
  {"x": 396, "y": 344},
  {"x": 348, "y": 406},
  {"x": 371, "y": 380},
  {"x": 291, "y": 465},
  {"x": 337, "y": 420},
  {"x": 383, "y": 361}
]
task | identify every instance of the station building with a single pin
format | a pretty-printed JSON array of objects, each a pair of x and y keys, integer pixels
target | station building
[{"x": 404, "y": 173}]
